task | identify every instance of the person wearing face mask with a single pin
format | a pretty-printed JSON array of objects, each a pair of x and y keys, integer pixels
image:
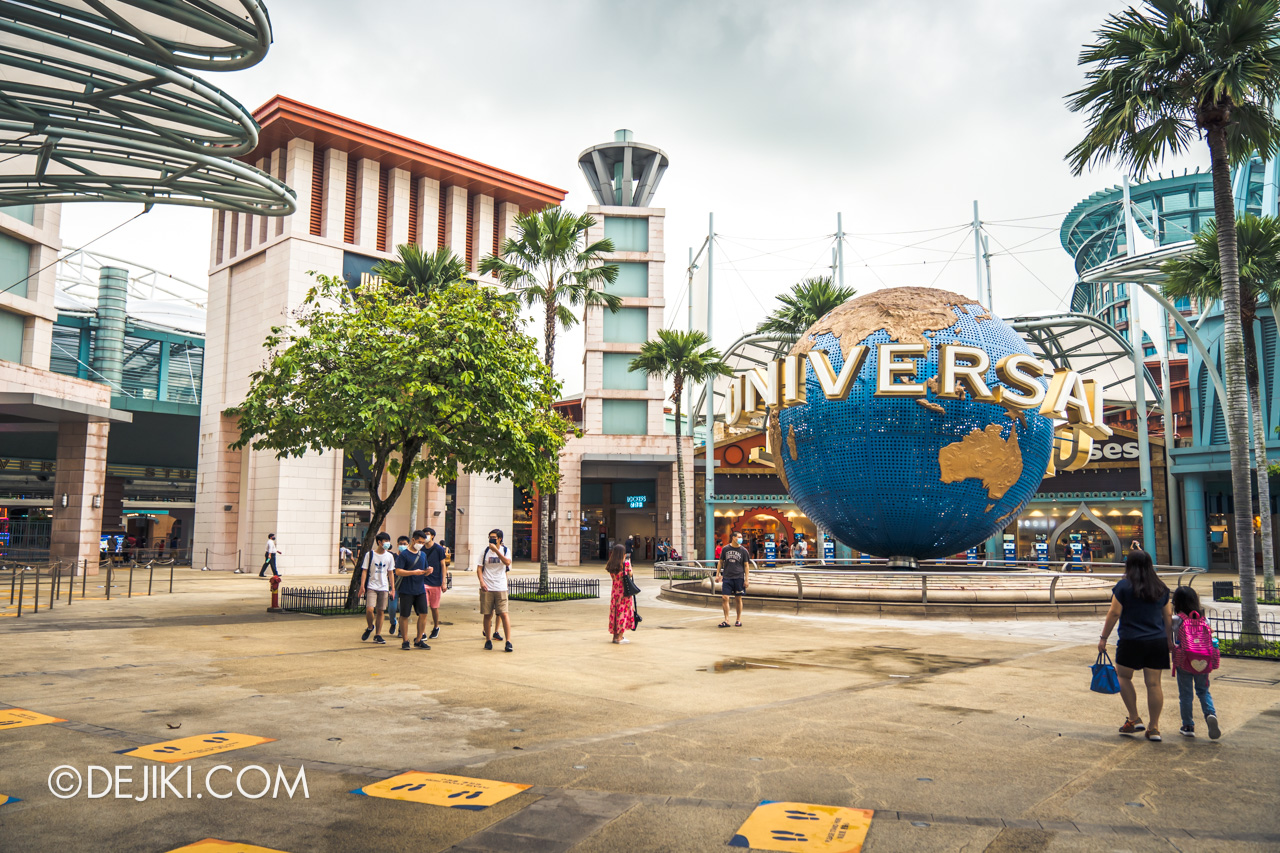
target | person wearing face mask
[
  {"x": 412, "y": 570},
  {"x": 491, "y": 569},
  {"x": 437, "y": 561},
  {"x": 393, "y": 603},
  {"x": 732, "y": 572},
  {"x": 375, "y": 585}
]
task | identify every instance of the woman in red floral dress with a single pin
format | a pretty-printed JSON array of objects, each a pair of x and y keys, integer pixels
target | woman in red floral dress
[{"x": 622, "y": 610}]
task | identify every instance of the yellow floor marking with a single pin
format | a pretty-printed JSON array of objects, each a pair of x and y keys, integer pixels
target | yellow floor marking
[
  {"x": 214, "y": 845},
  {"x": 804, "y": 828},
  {"x": 16, "y": 718},
  {"x": 196, "y": 746},
  {"x": 440, "y": 789}
]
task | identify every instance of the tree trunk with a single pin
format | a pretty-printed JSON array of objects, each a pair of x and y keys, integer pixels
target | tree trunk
[
  {"x": 1248, "y": 314},
  {"x": 379, "y": 510},
  {"x": 684, "y": 527},
  {"x": 1236, "y": 406},
  {"x": 544, "y": 495}
]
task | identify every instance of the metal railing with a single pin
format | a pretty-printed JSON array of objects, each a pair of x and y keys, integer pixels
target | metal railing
[
  {"x": 33, "y": 586},
  {"x": 855, "y": 573},
  {"x": 318, "y": 600},
  {"x": 1228, "y": 627},
  {"x": 558, "y": 589}
]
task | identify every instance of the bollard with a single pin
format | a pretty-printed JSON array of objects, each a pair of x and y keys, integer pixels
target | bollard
[
  {"x": 55, "y": 583},
  {"x": 109, "y": 568},
  {"x": 84, "y": 579},
  {"x": 132, "y": 565},
  {"x": 22, "y": 588},
  {"x": 275, "y": 595},
  {"x": 151, "y": 576},
  {"x": 171, "y": 576},
  {"x": 239, "y": 568},
  {"x": 71, "y": 582},
  {"x": 36, "y": 604},
  {"x": 13, "y": 578}
]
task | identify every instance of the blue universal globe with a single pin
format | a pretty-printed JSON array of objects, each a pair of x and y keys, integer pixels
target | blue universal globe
[{"x": 920, "y": 478}]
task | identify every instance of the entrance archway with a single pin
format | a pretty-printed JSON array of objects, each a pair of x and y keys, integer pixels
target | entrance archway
[
  {"x": 747, "y": 521},
  {"x": 1083, "y": 513}
]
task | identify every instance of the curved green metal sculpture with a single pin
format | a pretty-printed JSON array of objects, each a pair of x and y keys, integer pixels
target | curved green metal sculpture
[{"x": 97, "y": 104}]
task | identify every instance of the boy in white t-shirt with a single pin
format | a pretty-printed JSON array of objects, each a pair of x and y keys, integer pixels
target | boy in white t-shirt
[
  {"x": 375, "y": 585},
  {"x": 491, "y": 568}
]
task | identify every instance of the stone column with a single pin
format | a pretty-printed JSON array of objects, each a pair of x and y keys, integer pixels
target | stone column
[
  {"x": 1197, "y": 533},
  {"x": 335, "y": 194},
  {"x": 82, "y": 471},
  {"x": 482, "y": 229},
  {"x": 428, "y": 213},
  {"x": 367, "y": 175},
  {"x": 398, "y": 212},
  {"x": 483, "y": 505},
  {"x": 455, "y": 220}
]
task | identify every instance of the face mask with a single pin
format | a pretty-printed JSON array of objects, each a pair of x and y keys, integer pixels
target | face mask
[
  {"x": 404, "y": 548},
  {"x": 493, "y": 541},
  {"x": 737, "y": 540},
  {"x": 417, "y": 546}
]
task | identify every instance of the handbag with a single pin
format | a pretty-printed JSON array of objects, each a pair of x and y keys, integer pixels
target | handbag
[
  {"x": 629, "y": 587},
  {"x": 1104, "y": 678}
]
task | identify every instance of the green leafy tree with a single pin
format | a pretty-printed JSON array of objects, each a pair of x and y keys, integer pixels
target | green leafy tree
[
  {"x": 806, "y": 303},
  {"x": 548, "y": 264},
  {"x": 681, "y": 357},
  {"x": 1159, "y": 76},
  {"x": 1199, "y": 275},
  {"x": 412, "y": 389},
  {"x": 418, "y": 272}
]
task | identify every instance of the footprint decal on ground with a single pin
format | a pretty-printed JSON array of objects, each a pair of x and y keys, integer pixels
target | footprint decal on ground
[
  {"x": 796, "y": 814},
  {"x": 409, "y": 787},
  {"x": 470, "y": 795},
  {"x": 788, "y": 835}
]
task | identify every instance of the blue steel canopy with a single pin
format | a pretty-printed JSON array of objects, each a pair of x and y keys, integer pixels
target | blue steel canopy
[{"x": 95, "y": 104}]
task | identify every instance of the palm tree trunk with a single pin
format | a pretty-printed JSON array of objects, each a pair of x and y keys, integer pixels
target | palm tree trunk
[
  {"x": 1248, "y": 314},
  {"x": 544, "y": 495},
  {"x": 1237, "y": 403},
  {"x": 413, "y": 503},
  {"x": 684, "y": 527}
]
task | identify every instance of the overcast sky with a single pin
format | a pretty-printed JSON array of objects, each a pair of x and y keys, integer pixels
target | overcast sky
[{"x": 776, "y": 115}]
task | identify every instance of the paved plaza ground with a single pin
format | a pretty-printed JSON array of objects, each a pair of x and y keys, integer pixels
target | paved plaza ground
[{"x": 961, "y": 735}]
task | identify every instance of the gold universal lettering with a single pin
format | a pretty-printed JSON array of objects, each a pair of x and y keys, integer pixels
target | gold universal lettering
[
  {"x": 1096, "y": 427},
  {"x": 737, "y": 391},
  {"x": 1019, "y": 373},
  {"x": 888, "y": 368},
  {"x": 1071, "y": 448},
  {"x": 1066, "y": 399},
  {"x": 764, "y": 388},
  {"x": 952, "y": 373},
  {"x": 793, "y": 381},
  {"x": 837, "y": 387}
]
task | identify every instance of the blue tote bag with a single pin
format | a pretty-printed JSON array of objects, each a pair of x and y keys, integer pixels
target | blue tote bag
[{"x": 1104, "y": 679}]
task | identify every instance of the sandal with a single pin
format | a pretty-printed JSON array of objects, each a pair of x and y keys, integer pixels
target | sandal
[
  {"x": 737, "y": 624},
  {"x": 1153, "y": 735},
  {"x": 723, "y": 625},
  {"x": 1132, "y": 726}
]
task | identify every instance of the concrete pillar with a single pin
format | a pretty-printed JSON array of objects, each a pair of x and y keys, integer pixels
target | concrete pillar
[
  {"x": 367, "y": 174},
  {"x": 81, "y": 473},
  {"x": 455, "y": 220},
  {"x": 483, "y": 504},
  {"x": 398, "y": 212},
  {"x": 335, "y": 194},
  {"x": 507, "y": 213},
  {"x": 108, "y": 344},
  {"x": 567, "y": 527},
  {"x": 428, "y": 213},
  {"x": 298, "y": 169},
  {"x": 1197, "y": 533},
  {"x": 482, "y": 229}
]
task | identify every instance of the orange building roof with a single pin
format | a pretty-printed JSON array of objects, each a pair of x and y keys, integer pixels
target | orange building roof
[{"x": 283, "y": 119}]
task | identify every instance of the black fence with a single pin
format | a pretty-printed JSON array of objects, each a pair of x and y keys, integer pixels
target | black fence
[
  {"x": 1227, "y": 629},
  {"x": 558, "y": 589},
  {"x": 36, "y": 586},
  {"x": 1229, "y": 591},
  {"x": 318, "y": 600}
]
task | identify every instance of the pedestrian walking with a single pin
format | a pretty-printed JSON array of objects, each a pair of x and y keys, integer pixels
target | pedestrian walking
[
  {"x": 412, "y": 570},
  {"x": 732, "y": 571},
  {"x": 270, "y": 557},
  {"x": 437, "y": 562},
  {"x": 1194, "y": 657},
  {"x": 631, "y": 546},
  {"x": 622, "y": 608},
  {"x": 393, "y": 604},
  {"x": 375, "y": 585},
  {"x": 491, "y": 569},
  {"x": 1140, "y": 603},
  {"x": 802, "y": 550}
]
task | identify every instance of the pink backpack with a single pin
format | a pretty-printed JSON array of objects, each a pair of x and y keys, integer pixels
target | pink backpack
[{"x": 1195, "y": 653}]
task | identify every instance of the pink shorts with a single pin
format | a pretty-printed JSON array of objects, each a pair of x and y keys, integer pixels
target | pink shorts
[{"x": 433, "y": 596}]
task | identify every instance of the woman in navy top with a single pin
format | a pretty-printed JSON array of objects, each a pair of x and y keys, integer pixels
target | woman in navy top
[{"x": 1140, "y": 602}]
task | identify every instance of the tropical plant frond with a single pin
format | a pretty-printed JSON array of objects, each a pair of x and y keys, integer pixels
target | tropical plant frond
[{"x": 807, "y": 302}]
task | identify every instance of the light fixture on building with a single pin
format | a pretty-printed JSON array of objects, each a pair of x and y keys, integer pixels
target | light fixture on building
[
  {"x": 668, "y": 516},
  {"x": 97, "y": 501},
  {"x": 64, "y": 500}
]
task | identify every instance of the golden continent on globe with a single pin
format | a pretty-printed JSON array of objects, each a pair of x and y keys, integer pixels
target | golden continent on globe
[{"x": 985, "y": 456}]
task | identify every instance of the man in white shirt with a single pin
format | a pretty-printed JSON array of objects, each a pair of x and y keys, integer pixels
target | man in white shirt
[
  {"x": 270, "y": 555},
  {"x": 375, "y": 585},
  {"x": 491, "y": 569},
  {"x": 802, "y": 549}
]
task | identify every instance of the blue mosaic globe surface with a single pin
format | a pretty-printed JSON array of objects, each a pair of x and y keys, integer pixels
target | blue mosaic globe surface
[{"x": 870, "y": 470}]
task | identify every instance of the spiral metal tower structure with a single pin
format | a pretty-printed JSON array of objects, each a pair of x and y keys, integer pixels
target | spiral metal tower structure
[{"x": 99, "y": 102}]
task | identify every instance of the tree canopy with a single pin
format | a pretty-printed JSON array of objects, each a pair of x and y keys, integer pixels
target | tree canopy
[{"x": 803, "y": 305}]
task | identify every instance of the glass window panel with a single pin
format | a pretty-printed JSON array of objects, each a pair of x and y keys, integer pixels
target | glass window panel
[
  {"x": 618, "y": 376},
  {"x": 627, "y": 326},
  {"x": 625, "y": 417},
  {"x": 11, "y": 326},
  {"x": 627, "y": 233},
  {"x": 141, "y": 375},
  {"x": 64, "y": 354},
  {"x": 15, "y": 265},
  {"x": 633, "y": 280},
  {"x": 185, "y": 365},
  {"x": 22, "y": 212}
]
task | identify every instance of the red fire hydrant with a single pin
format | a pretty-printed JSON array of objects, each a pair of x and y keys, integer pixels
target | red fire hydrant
[{"x": 275, "y": 595}]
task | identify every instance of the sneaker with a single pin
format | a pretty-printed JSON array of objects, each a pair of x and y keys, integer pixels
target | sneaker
[
  {"x": 497, "y": 636},
  {"x": 379, "y": 641},
  {"x": 488, "y": 645},
  {"x": 435, "y": 633},
  {"x": 394, "y": 625},
  {"x": 404, "y": 647},
  {"x": 1187, "y": 732},
  {"x": 1212, "y": 722},
  {"x": 419, "y": 644},
  {"x": 508, "y": 648},
  {"x": 1132, "y": 727},
  {"x": 367, "y": 632}
]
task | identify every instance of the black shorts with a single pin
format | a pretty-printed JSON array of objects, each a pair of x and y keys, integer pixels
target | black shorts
[
  {"x": 733, "y": 586},
  {"x": 413, "y": 603},
  {"x": 1150, "y": 653}
]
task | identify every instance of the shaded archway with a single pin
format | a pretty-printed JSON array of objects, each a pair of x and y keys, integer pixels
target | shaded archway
[
  {"x": 1083, "y": 513},
  {"x": 769, "y": 512}
]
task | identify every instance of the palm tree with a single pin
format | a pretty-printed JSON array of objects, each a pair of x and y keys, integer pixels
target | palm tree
[
  {"x": 682, "y": 356},
  {"x": 1199, "y": 275},
  {"x": 417, "y": 273},
  {"x": 548, "y": 263},
  {"x": 1160, "y": 76},
  {"x": 805, "y": 304}
]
